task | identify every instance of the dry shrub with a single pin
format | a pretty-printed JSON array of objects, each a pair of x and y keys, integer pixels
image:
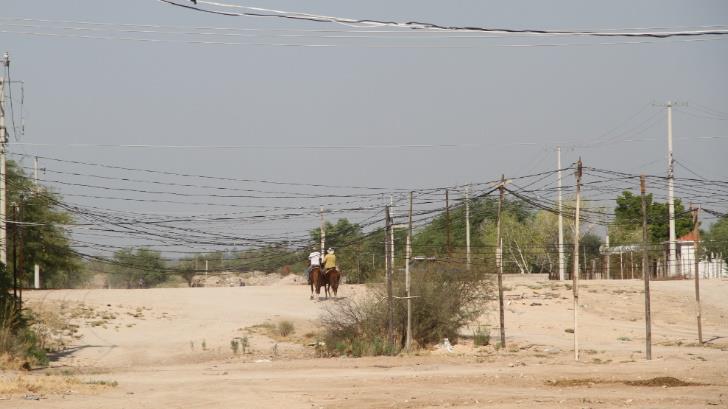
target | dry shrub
[
  {"x": 18, "y": 341},
  {"x": 51, "y": 384},
  {"x": 285, "y": 328},
  {"x": 446, "y": 300}
]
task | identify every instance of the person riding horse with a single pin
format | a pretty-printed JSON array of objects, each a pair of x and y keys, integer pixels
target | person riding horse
[
  {"x": 314, "y": 260},
  {"x": 329, "y": 261}
]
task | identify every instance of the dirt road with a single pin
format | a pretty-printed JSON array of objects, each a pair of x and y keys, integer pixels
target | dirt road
[{"x": 172, "y": 348}]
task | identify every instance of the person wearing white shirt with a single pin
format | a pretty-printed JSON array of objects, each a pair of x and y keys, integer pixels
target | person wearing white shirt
[{"x": 314, "y": 260}]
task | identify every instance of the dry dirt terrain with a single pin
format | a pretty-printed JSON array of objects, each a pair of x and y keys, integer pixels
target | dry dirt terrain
[{"x": 171, "y": 348}]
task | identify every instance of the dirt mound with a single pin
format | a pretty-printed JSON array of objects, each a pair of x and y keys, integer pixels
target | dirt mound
[{"x": 660, "y": 381}]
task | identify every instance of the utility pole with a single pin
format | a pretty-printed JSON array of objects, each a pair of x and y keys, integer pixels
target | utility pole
[
  {"x": 696, "y": 233},
  {"x": 672, "y": 255},
  {"x": 35, "y": 172},
  {"x": 447, "y": 220},
  {"x": 645, "y": 273},
  {"x": 390, "y": 299},
  {"x": 670, "y": 191},
  {"x": 408, "y": 339},
  {"x": 561, "y": 219},
  {"x": 3, "y": 171},
  {"x": 575, "y": 273},
  {"x": 36, "y": 267},
  {"x": 499, "y": 262},
  {"x": 15, "y": 264},
  {"x": 467, "y": 227},
  {"x": 391, "y": 233},
  {"x": 322, "y": 231},
  {"x": 606, "y": 256},
  {"x": 20, "y": 260}
]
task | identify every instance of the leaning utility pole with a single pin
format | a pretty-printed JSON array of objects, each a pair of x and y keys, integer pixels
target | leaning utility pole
[
  {"x": 575, "y": 273},
  {"x": 467, "y": 227},
  {"x": 3, "y": 142},
  {"x": 390, "y": 299},
  {"x": 646, "y": 274},
  {"x": 561, "y": 219},
  {"x": 499, "y": 262},
  {"x": 696, "y": 233},
  {"x": 408, "y": 255}
]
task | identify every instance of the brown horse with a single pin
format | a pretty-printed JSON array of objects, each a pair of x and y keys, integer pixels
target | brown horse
[
  {"x": 318, "y": 280},
  {"x": 334, "y": 276}
]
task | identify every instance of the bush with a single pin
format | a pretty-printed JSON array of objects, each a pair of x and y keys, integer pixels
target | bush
[
  {"x": 447, "y": 299},
  {"x": 17, "y": 339},
  {"x": 285, "y": 328},
  {"x": 481, "y": 336}
]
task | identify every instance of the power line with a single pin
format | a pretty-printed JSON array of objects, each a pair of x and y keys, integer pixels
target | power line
[{"x": 416, "y": 25}]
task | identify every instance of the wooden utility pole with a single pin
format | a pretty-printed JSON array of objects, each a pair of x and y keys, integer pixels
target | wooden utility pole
[
  {"x": 575, "y": 273},
  {"x": 606, "y": 256},
  {"x": 696, "y": 233},
  {"x": 390, "y": 299},
  {"x": 3, "y": 171},
  {"x": 467, "y": 227},
  {"x": 20, "y": 261},
  {"x": 15, "y": 243},
  {"x": 499, "y": 262},
  {"x": 391, "y": 232},
  {"x": 408, "y": 255},
  {"x": 322, "y": 232},
  {"x": 447, "y": 221},
  {"x": 646, "y": 274}
]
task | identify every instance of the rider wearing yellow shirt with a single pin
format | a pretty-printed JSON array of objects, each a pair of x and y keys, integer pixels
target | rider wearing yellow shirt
[{"x": 329, "y": 260}]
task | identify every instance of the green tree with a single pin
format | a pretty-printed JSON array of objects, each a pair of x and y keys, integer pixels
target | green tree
[
  {"x": 715, "y": 241},
  {"x": 627, "y": 225},
  {"x": 45, "y": 241},
  {"x": 431, "y": 240},
  {"x": 140, "y": 268}
]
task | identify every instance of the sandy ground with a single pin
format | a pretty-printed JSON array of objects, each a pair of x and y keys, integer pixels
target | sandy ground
[{"x": 151, "y": 343}]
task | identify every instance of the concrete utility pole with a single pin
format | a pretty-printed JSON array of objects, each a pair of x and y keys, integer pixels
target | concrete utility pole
[
  {"x": 408, "y": 255},
  {"x": 670, "y": 192},
  {"x": 3, "y": 142},
  {"x": 561, "y": 219},
  {"x": 575, "y": 273},
  {"x": 672, "y": 255},
  {"x": 645, "y": 273},
  {"x": 467, "y": 227},
  {"x": 499, "y": 262}
]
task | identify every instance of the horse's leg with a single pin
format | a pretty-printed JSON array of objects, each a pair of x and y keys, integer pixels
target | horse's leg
[{"x": 314, "y": 282}]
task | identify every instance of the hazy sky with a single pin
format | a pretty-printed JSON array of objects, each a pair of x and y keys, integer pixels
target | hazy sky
[{"x": 507, "y": 106}]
